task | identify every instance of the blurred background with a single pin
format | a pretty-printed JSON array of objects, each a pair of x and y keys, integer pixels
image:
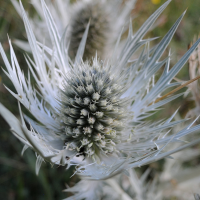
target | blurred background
[{"x": 17, "y": 174}]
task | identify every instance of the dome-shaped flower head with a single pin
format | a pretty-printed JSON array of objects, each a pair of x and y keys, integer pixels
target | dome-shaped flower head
[
  {"x": 107, "y": 17},
  {"x": 90, "y": 114}
]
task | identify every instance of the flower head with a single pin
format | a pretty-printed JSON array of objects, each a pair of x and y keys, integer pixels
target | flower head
[
  {"x": 90, "y": 114},
  {"x": 107, "y": 18},
  {"x": 100, "y": 27},
  {"x": 93, "y": 116}
]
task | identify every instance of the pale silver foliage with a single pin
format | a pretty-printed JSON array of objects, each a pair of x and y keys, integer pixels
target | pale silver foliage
[
  {"x": 175, "y": 179},
  {"x": 120, "y": 187},
  {"x": 180, "y": 184},
  {"x": 123, "y": 92}
]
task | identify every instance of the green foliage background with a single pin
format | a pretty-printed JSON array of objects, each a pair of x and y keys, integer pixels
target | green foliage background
[{"x": 17, "y": 174}]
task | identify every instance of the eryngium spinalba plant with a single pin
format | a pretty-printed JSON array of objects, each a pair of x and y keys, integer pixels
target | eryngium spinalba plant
[
  {"x": 107, "y": 18},
  {"x": 91, "y": 114}
]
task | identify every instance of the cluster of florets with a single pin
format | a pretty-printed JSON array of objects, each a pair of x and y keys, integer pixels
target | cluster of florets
[
  {"x": 96, "y": 14},
  {"x": 93, "y": 114}
]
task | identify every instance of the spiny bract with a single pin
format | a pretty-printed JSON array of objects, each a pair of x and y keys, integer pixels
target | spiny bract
[
  {"x": 90, "y": 114},
  {"x": 107, "y": 17}
]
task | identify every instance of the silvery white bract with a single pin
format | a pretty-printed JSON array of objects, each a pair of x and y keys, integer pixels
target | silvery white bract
[
  {"x": 90, "y": 114},
  {"x": 107, "y": 17},
  {"x": 174, "y": 181},
  {"x": 88, "y": 190},
  {"x": 134, "y": 187},
  {"x": 120, "y": 187}
]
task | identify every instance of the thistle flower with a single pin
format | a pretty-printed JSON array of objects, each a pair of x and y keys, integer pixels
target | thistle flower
[
  {"x": 90, "y": 114},
  {"x": 106, "y": 18},
  {"x": 100, "y": 26}
]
